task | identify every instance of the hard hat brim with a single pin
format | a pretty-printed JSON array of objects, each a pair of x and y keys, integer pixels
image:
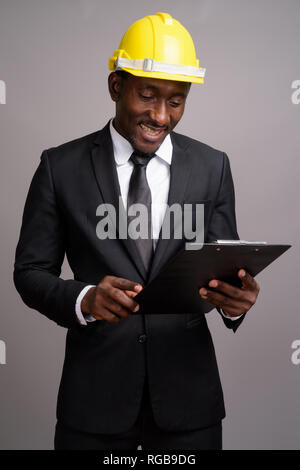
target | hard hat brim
[{"x": 164, "y": 76}]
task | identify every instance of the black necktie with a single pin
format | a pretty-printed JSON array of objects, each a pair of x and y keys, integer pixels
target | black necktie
[{"x": 139, "y": 192}]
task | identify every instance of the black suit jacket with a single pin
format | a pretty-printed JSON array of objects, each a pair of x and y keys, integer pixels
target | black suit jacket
[{"x": 105, "y": 363}]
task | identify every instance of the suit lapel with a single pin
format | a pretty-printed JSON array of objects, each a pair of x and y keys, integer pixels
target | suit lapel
[
  {"x": 108, "y": 184},
  {"x": 179, "y": 175}
]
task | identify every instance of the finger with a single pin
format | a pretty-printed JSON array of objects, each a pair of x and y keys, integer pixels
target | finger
[
  {"x": 121, "y": 298},
  {"x": 226, "y": 288},
  {"x": 130, "y": 293},
  {"x": 248, "y": 282},
  {"x": 107, "y": 315},
  {"x": 244, "y": 298},
  {"x": 227, "y": 303},
  {"x": 97, "y": 316},
  {"x": 125, "y": 284},
  {"x": 116, "y": 308}
]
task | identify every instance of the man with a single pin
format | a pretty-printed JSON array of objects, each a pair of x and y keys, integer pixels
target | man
[{"x": 131, "y": 377}]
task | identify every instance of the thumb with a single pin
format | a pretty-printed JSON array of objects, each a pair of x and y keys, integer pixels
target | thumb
[
  {"x": 131, "y": 293},
  {"x": 247, "y": 280}
]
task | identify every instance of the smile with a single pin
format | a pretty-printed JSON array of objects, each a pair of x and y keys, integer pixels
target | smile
[{"x": 150, "y": 131}]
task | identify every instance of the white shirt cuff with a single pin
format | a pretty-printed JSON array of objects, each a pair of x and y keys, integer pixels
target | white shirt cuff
[
  {"x": 230, "y": 318},
  {"x": 83, "y": 319}
]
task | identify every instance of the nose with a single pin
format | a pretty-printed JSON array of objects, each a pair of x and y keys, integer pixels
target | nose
[{"x": 159, "y": 114}]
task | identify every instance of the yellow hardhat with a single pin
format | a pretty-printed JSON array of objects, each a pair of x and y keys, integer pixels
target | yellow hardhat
[{"x": 158, "y": 46}]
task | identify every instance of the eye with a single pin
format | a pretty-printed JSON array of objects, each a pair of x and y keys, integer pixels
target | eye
[
  {"x": 174, "y": 104},
  {"x": 146, "y": 97}
]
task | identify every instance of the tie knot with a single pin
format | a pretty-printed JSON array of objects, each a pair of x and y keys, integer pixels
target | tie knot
[{"x": 140, "y": 158}]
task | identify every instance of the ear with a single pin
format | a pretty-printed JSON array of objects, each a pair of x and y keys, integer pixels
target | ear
[{"x": 114, "y": 86}]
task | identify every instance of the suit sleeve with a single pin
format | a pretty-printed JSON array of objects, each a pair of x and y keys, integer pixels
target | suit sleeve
[
  {"x": 40, "y": 253},
  {"x": 223, "y": 222}
]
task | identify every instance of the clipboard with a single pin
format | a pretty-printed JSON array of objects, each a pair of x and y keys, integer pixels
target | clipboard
[{"x": 176, "y": 288}]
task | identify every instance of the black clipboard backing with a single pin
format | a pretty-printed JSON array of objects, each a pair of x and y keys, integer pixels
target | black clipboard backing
[{"x": 176, "y": 288}]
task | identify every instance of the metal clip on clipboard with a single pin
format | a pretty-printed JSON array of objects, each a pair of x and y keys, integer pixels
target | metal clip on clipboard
[{"x": 238, "y": 242}]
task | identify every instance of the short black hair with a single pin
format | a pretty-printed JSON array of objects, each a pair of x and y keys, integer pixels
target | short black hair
[{"x": 123, "y": 74}]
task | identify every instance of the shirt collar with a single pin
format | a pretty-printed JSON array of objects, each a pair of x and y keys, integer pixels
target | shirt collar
[{"x": 123, "y": 149}]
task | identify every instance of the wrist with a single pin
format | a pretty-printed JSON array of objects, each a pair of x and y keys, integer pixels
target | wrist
[
  {"x": 84, "y": 306},
  {"x": 226, "y": 314}
]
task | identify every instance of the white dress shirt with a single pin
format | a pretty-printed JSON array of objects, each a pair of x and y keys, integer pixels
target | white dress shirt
[{"x": 158, "y": 178}]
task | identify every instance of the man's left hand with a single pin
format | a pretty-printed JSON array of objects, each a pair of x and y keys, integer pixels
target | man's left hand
[{"x": 234, "y": 301}]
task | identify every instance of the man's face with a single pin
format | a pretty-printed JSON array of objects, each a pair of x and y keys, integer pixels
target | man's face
[{"x": 147, "y": 109}]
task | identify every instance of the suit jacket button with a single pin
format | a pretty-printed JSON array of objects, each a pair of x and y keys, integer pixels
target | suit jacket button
[{"x": 142, "y": 338}]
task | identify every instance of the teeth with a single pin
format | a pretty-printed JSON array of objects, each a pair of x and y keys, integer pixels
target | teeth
[{"x": 149, "y": 130}]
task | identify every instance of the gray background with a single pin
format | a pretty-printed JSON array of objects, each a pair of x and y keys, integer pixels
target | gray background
[{"x": 53, "y": 58}]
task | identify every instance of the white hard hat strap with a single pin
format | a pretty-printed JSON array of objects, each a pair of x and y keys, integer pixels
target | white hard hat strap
[{"x": 151, "y": 65}]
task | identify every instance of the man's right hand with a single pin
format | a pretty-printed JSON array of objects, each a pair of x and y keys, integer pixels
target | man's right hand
[{"x": 111, "y": 299}]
